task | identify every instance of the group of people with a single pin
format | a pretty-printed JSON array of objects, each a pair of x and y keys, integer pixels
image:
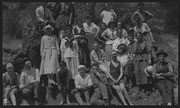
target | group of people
[{"x": 85, "y": 57}]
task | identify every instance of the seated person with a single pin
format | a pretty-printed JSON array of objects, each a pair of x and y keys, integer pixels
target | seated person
[
  {"x": 100, "y": 84},
  {"x": 62, "y": 77},
  {"x": 83, "y": 83},
  {"x": 30, "y": 82},
  {"x": 116, "y": 79},
  {"x": 10, "y": 83},
  {"x": 162, "y": 75}
]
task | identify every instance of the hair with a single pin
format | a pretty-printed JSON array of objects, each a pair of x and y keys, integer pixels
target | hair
[
  {"x": 62, "y": 63},
  {"x": 124, "y": 47},
  {"x": 89, "y": 17},
  {"x": 113, "y": 22}
]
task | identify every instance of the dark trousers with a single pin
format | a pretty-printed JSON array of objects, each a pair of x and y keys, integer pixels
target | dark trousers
[
  {"x": 78, "y": 96},
  {"x": 100, "y": 91},
  {"x": 166, "y": 90},
  {"x": 44, "y": 79},
  {"x": 32, "y": 88}
]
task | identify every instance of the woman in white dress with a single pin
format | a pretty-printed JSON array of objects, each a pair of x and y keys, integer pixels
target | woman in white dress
[
  {"x": 69, "y": 52},
  {"x": 109, "y": 35},
  {"x": 49, "y": 54}
]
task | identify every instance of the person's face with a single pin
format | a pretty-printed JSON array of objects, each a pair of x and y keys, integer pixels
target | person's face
[
  {"x": 161, "y": 58},
  {"x": 119, "y": 25},
  {"x": 114, "y": 58},
  {"x": 28, "y": 64},
  {"x": 96, "y": 48},
  {"x": 106, "y": 6},
  {"x": 88, "y": 20},
  {"x": 139, "y": 37},
  {"x": 103, "y": 26},
  {"x": 79, "y": 22},
  {"x": 138, "y": 19},
  {"x": 68, "y": 32},
  {"x": 63, "y": 24},
  {"x": 9, "y": 69},
  {"x": 82, "y": 72},
  {"x": 131, "y": 39},
  {"x": 112, "y": 26},
  {"x": 119, "y": 33},
  {"x": 48, "y": 31}
]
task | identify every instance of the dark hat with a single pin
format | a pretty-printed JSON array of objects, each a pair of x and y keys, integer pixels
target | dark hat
[
  {"x": 161, "y": 52},
  {"x": 68, "y": 28},
  {"x": 112, "y": 22}
]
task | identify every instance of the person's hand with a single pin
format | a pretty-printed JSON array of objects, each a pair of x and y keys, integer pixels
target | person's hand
[
  {"x": 59, "y": 88},
  {"x": 150, "y": 62},
  {"x": 69, "y": 22}
]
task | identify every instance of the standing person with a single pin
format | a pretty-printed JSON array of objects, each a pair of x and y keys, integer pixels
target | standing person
[
  {"x": 66, "y": 14},
  {"x": 116, "y": 79},
  {"x": 44, "y": 16},
  {"x": 145, "y": 14},
  {"x": 142, "y": 59},
  {"x": 129, "y": 68},
  {"x": 78, "y": 28},
  {"x": 91, "y": 30},
  {"x": 97, "y": 56},
  {"x": 63, "y": 77},
  {"x": 120, "y": 39},
  {"x": 30, "y": 82},
  {"x": 83, "y": 83},
  {"x": 101, "y": 86},
  {"x": 163, "y": 72},
  {"x": 69, "y": 52},
  {"x": 109, "y": 35},
  {"x": 124, "y": 32},
  {"x": 144, "y": 29},
  {"x": 10, "y": 84},
  {"x": 108, "y": 15},
  {"x": 49, "y": 56}
]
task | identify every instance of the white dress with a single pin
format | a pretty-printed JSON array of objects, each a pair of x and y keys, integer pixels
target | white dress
[{"x": 49, "y": 55}]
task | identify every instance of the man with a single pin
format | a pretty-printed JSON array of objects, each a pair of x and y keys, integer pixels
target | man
[
  {"x": 91, "y": 30},
  {"x": 30, "y": 82},
  {"x": 145, "y": 14},
  {"x": 44, "y": 16},
  {"x": 100, "y": 84},
  {"x": 97, "y": 56},
  {"x": 83, "y": 83}
]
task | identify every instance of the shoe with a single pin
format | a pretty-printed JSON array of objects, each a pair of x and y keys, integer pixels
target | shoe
[{"x": 169, "y": 104}]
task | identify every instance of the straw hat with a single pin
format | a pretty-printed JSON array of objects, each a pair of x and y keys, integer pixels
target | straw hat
[
  {"x": 81, "y": 67},
  {"x": 148, "y": 70},
  {"x": 48, "y": 26},
  {"x": 113, "y": 54},
  {"x": 9, "y": 65}
]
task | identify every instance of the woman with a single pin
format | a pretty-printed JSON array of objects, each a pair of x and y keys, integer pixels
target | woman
[
  {"x": 66, "y": 14},
  {"x": 142, "y": 59},
  {"x": 144, "y": 29},
  {"x": 78, "y": 28},
  {"x": 124, "y": 32},
  {"x": 49, "y": 54},
  {"x": 109, "y": 35},
  {"x": 163, "y": 72},
  {"x": 108, "y": 15},
  {"x": 116, "y": 79},
  {"x": 10, "y": 83},
  {"x": 69, "y": 52}
]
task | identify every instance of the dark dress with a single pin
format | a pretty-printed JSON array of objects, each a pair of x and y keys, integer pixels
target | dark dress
[
  {"x": 115, "y": 72},
  {"x": 141, "y": 51},
  {"x": 165, "y": 86}
]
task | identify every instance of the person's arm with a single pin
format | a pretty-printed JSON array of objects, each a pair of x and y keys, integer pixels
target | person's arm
[
  {"x": 62, "y": 48},
  {"x": 149, "y": 31},
  {"x": 89, "y": 82},
  {"x": 103, "y": 35},
  {"x": 38, "y": 15},
  {"x": 76, "y": 81},
  {"x": 42, "y": 46},
  {"x": 115, "y": 45},
  {"x": 70, "y": 18},
  {"x": 125, "y": 34},
  {"x": 22, "y": 81},
  {"x": 97, "y": 32},
  {"x": 57, "y": 45},
  {"x": 102, "y": 14},
  {"x": 37, "y": 75},
  {"x": 50, "y": 16},
  {"x": 114, "y": 15},
  {"x": 121, "y": 73},
  {"x": 170, "y": 73},
  {"x": 155, "y": 75},
  {"x": 93, "y": 59},
  {"x": 58, "y": 76}
]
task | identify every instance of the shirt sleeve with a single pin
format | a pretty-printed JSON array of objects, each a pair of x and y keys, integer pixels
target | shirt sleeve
[
  {"x": 37, "y": 75},
  {"x": 76, "y": 81},
  {"x": 22, "y": 80},
  {"x": 147, "y": 27},
  {"x": 89, "y": 81},
  {"x": 91, "y": 58},
  {"x": 115, "y": 44}
]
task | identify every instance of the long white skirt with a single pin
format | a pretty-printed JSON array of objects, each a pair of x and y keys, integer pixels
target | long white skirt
[{"x": 49, "y": 62}]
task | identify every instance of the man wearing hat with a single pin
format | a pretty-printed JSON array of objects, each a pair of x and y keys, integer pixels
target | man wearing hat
[
  {"x": 146, "y": 15},
  {"x": 162, "y": 76},
  {"x": 83, "y": 83},
  {"x": 49, "y": 51},
  {"x": 10, "y": 84}
]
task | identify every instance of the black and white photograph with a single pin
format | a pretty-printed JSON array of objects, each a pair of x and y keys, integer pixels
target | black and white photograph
[{"x": 89, "y": 53}]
